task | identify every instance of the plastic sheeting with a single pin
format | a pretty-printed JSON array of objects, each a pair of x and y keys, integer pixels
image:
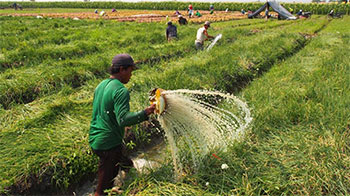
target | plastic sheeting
[{"x": 283, "y": 12}]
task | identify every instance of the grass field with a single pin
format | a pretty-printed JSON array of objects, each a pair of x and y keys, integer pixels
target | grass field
[{"x": 294, "y": 75}]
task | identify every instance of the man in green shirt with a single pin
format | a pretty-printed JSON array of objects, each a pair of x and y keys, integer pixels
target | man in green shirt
[{"x": 111, "y": 114}]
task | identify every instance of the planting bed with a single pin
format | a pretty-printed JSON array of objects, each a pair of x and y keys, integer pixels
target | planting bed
[{"x": 132, "y": 15}]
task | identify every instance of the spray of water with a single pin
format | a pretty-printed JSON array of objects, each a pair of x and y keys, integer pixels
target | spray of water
[
  {"x": 196, "y": 122},
  {"x": 214, "y": 41}
]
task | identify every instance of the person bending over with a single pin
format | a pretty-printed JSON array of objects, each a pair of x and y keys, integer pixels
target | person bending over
[{"x": 202, "y": 35}]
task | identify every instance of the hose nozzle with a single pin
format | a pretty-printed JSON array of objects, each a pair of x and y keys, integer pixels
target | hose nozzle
[{"x": 156, "y": 97}]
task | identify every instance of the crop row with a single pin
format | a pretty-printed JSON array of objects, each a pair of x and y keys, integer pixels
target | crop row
[
  {"x": 245, "y": 58},
  {"x": 52, "y": 74},
  {"x": 98, "y": 61},
  {"x": 23, "y": 85},
  {"x": 17, "y": 34},
  {"x": 69, "y": 115},
  {"x": 315, "y": 8},
  {"x": 299, "y": 141},
  {"x": 230, "y": 33},
  {"x": 59, "y": 45},
  {"x": 25, "y": 127}
]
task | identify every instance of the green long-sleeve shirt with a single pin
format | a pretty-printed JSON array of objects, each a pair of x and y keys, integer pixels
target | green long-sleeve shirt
[{"x": 111, "y": 114}]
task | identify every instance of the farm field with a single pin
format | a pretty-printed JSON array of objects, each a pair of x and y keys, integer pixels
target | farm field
[
  {"x": 294, "y": 75},
  {"x": 124, "y": 15}
]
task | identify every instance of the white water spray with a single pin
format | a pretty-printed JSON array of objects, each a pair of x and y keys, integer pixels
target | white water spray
[
  {"x": 196, "y": 122},
  {"x": 214, "y": 41}
]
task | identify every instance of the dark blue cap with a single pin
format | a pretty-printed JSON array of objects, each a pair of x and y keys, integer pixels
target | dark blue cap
[{"x": 124, "y": 60}]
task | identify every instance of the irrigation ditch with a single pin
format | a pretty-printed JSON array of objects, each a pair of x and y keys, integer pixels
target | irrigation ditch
[
  {"x": 42, "y": 183},
  {"x": 239, "y": 82}
]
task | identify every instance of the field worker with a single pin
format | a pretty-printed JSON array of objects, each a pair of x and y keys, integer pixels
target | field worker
[
  {"x": 331, "y": 13},
  {"x": 182, "y": 20},
  {"x": 102, "y": 13},
  {"x": 177, "y": 13},
  {"x": 291, "y": 10},
  {"x": 190, "y": 11},
  {"x": 202, "y": 35},
  {"x": 96, "y": 12},
  {"x": 110, "y": 115},
  {"x": 211, "y": 9},
  {"x": 171, "y": 31},
  {"x": 300, "y": 13},
  {"x": 198, "y": 14},
  {"x": 14, "y": 5},
  {"x": 267, "y": 12}
]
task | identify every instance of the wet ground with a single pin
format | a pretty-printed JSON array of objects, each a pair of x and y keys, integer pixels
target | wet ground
[{"x": 144, "y": 160}]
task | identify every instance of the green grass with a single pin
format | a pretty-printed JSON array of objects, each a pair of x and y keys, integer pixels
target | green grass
[
  {"x": 301, "y": 118},
  {"x": 62, "y": 64},
  {"x": 297, "y": 144},
  {"x": 55, "y": 111}
]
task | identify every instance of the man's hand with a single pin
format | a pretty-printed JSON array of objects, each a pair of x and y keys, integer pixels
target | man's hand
[{"x": 150, "y": 109}]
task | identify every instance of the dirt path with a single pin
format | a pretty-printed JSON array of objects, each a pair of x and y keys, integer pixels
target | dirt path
[{"x": 140, "y": 15}]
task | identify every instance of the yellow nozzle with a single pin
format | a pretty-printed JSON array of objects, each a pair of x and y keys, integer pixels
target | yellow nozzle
[{"x": 159, "y": 99}]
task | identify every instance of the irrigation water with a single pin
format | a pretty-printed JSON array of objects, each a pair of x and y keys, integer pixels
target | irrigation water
[
  {"x": 214, "y": 41},
  {"x": 197, "y": 121}
]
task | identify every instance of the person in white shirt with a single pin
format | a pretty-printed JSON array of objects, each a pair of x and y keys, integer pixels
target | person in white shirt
[{"x": 202, "y": 35}]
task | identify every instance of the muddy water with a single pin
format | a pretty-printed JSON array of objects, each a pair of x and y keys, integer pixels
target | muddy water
[
  {"x": 144, "y": 161},
  {"x": 88, "y": 188},
  {"x": 149, "y": 159}
]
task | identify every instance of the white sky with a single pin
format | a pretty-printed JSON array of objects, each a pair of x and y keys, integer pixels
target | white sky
[{"x": 287, "y": 1}]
